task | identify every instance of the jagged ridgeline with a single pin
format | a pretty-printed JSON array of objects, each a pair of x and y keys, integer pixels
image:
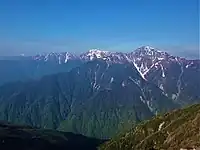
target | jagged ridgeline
[
  {"x": 99, "y": 93},
  {"x": 177, "y": 77}
]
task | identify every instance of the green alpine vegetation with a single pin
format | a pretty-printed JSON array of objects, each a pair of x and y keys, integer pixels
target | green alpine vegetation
[
  {"x": 97, "y": 99},
  {"x": 175, "y": 130}
]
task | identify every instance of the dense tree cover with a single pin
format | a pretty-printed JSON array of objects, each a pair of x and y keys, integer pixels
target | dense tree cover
[
  {"x": 28, "y": 138},
  {"x": 97, "y": 99}
]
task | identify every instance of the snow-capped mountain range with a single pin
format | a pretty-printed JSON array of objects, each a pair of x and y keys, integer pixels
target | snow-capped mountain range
[
  {"x": 143, "y": 82},
  {"x": 172, "y": 74},
  {"x": 145, "y": 59},
  {"x": 177, "y": 77}
]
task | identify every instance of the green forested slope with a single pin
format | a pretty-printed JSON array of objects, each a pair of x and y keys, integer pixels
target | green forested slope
[
  {"x": 28, "y": 138},
  {"x": 97, "y": 99},
  {"x": 172, "y": 131}
]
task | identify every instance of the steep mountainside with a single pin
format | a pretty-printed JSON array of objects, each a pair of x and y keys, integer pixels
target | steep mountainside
[
  {"x": 177, "y": 77},
  {"x": 175, "y": 130},
  {"x": 97, "y": 99},
  {"x": 28, "y": 138}
]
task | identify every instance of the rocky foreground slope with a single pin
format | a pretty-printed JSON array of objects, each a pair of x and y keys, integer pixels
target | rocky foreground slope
[{"x": 176, "y": 130}]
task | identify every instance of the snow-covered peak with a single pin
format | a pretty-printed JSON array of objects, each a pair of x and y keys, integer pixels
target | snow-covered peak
[
  {"x": 149, "y": 51},
  {"x": 69, "y": 56},
  {"x": 96, "y": 53},
  {"x": 62, "y": 57},
  {"x": 145, "y": 58},
  {"x": 104, "y": 55},
  {"x": 148, "y": 48}
]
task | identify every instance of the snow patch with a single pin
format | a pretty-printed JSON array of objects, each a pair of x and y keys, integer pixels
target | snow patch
[
  {"x": 149, "y": 50},
  {"x": 138, "y": 69},
  {"x": 187, "y": 66},
  {"x": 149, "y": 106},
  {"x": 59, "y": 60},
  {"x": 174, "y": 96},
  {"x": 163, "y": 72},
  {"x": 160, "y": 58},
  {"x": 148, "y": 70},
  {"x": 123, "y": 84},
  {"x": 141, "y": 98},
  {"x": 95, "y": 80},
  {"x": 108, "y": 65},
  {"x": 96, "y": 53},
  {"x": 160, "y": 126},
  {"x": 135, "y": 81},
  {"x": 128, "y": 59},
  {"x": 161, "y": 87},
  {"x": 111, "y": 80},
  {"x": 102, "y": 75},
  {"x": 136, "y": 66},
  {"x": 66, "y": 57}
]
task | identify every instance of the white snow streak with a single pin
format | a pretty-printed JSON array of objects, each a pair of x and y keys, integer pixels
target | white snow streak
[
  {"x": 66, "y": 58},
  {"x": 148, "y": 70},
  {"x": 111, "y": 80},
  {"x": 136, "y": 66},
  {"x": 141, "y": 98},
  {"x": 160, "y": 126},
  {"x": 138, "y": 69},
  {"x": 149, "y": 106},
  {"x": 163, "y": 72},
  {"x": 136, "y": 82},
  {"x": 123, "y": 84}
]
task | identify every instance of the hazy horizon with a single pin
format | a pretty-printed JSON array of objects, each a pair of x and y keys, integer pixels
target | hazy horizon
[{"x": 75, "y": 26}]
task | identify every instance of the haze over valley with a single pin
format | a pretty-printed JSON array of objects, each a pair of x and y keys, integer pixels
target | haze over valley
[{"x": 99, "y": 75}]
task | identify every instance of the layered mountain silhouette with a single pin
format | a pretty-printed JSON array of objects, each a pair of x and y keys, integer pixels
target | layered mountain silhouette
[
  {"x": 177, "y": 77},
  {"x": 98, "y": 93},
  {"x": 97, "y": 99}
]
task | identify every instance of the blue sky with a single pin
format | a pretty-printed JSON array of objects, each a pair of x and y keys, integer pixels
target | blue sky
[{"x": 32, "y": 26}]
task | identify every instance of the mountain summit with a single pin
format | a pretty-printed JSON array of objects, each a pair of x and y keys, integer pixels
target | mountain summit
[
  {"x": 177, "y": 77},
  {"x": 98, "y": 93}
]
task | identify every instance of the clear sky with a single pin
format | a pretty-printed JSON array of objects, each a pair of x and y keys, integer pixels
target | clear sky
[{"x": 32, "y": 26}]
